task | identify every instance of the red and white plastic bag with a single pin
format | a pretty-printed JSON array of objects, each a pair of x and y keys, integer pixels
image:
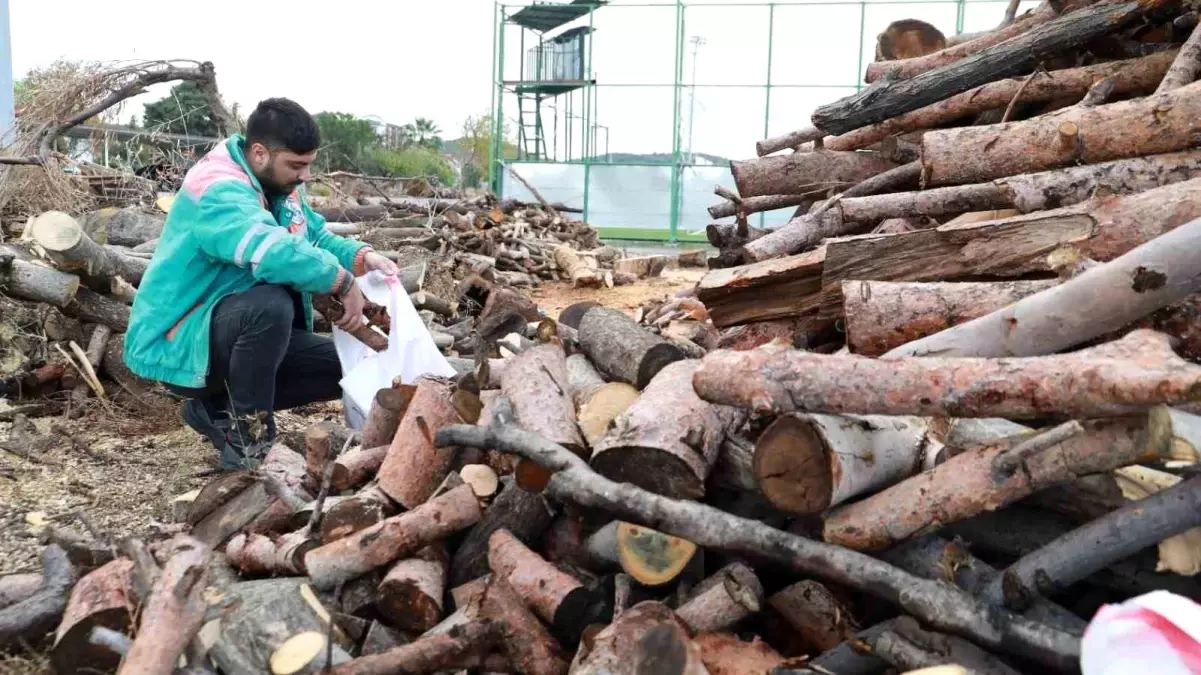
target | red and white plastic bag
[{"x": 1159, "y": 633}]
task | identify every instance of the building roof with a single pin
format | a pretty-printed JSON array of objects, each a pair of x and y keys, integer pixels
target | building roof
[{"x": 547, "y": 16}]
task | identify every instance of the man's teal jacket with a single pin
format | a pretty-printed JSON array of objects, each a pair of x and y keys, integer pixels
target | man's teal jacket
[{"x": 223, "y": 236}]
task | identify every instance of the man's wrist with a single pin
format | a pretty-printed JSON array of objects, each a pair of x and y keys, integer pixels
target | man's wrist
[{"x": 344, "y": 283}]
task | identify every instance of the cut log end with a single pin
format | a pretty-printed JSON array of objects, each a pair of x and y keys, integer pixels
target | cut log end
[
  {"x": 297, "y": 652},
  {"x": 656, "y": 359},
  {"x": 792, "y": 467},
  {"x": 651, "y": 557},
  {"x": 651, "y": 469}
]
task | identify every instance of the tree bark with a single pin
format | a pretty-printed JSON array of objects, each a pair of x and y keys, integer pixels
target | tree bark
[
  {"x": 1129, "y": 76},
  {"x": 230, "y": 517},
  {"x": 1097, "y": 545},
  {"x": 982, "y": 480},
  {"x": 821, "y": 620},
  {"x": 805, "y": 464},
  {"x": 124, "y": 226},
  {"x": 1154, "y": 124},
  {"x": 889, "y": 98},
  {"x": 536, "y": 383},
  {"x": 462, "y": 647},
  {"x": 318, "y": 451},
  {"x": 579, "y": 274},
  {"x": 410, "y": 596},
  {"x": 790, "y": 140},
  {"x": 524, "y": 514},
  {"x": 252, "y": 554},
  {"x": 646, "y": 638},
  {"x": 669, "y": 454},
  {"x": 907, "y": 646},
  {"x": 1187, "y": 65},
  {"x": 387, "y": 410},
  {"x": 103, "y": 597},
  {"x": 91, "y": 307},
  {"x": 773, "y": 289},
  {"x": 357, "y": 466},
  {"x": 332, "y": 310},
  {"x": 72, "y": 250},
  {"x": 732, "y": 594},
  {"x": 526, "y": 642},
  {"x": 745, "y": 207},
  {"x": 801, "y": 173},
  {"x": 642, "y": 267},
  {"x": 28, "y": 281},
  {"x": 173, "y": 614},
  {"x": 622, "y": 349},
  {"x": 394, "y": 538},
  {"x": 412, "y": 468},
  {"x": 883, "y": 315},
  {"x": 559, "y": 599},
  {"x": 368, "y": 507},
  {"x": 1095, "y": 302},
  {"x": 582, "y": 379},
  {"x": 354, "y": 214},
  {"x": 1101, "y": 229},
  {"x": 944, "y": 608}
]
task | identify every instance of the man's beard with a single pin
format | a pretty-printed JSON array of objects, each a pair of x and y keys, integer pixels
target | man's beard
[{"x": 273, "y": 187}]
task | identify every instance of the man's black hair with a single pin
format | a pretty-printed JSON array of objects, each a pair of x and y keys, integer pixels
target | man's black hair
[{"x": 281, "y": 124}]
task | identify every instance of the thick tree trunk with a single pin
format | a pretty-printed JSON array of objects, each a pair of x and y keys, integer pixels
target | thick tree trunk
[
  {"x": 173, "y": 614},
  {"x": 1077, "y": 135},
  {"x": 821, "y": 620},
  {"x": 801, "y": 173},
  {"x": 773, "y": 289},
  {"x": 1123, "y": 377},
  {"x": 646, "y": 638},
  {"x": 642, "y": 267},
  {"x": 387, "y": 410},
  {"x": 410, "y": 596},
  {"x": 357, "y": 466},
  {"x": 732, "y": 594},
  {"x": 368, "y": 507},
  {"x": 622, "y": 349},
  {"x": 103, "y": 597},
  {"x": 582, "y": 379},
  {"x": 125, "y": 226},
  {"x": 526, "y": 515},
  {"x": 559, "y": 599},
  {"x": 38, "y": 283},
  {"x": 1128, "y": 76},
  {"x": 889, "y": 98},
  {"x": 527, "y": 643},
  {"x": 804, "y": 464},
  {"x": 1095, "y": 302},
  {"x": 883, "y": 315},
  {"x": 413, "y": 469},
  {"x": 1187, "y": 65},
  {"x": 668, "y": 440},
  {"x": 982, "y": 480},
  {"x": 463, "y": 647},
  {"x": 392, "y": 539},
  {"x": 573, "y": 267},
  {"x": 536, "y": 383},
  {"x": 72, "y": 250}
]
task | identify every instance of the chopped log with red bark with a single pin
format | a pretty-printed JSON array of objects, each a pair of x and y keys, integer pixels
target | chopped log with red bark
[
  {"x": 332, "y": 310},
  {"x": 1187, "y": 65},
  {"x": 357, "y": 466},
  {"x": 410, "y": 595},
  {"x": 646, "y": 638},
  {"x": 1160, "y": 123},
  {"x": 319, "y": 450},
  {"x": 984, "y": 479},
  {"x": 366, "y": 508},
  {"x": 530, "y": 647},
  {"x": 536, "y": 383},
  {"x": 103, "y": 597},
  {"x": 1102, "y": 299},
  {"x": 1128, "y": 76},
  {"x": 819, "y": 618},
  {"x": 392, "y": 539},
  {"x": 173, "y": 614},
  {"x": 253, "y": 555},
  {"x": 883, "y": 315},
  {"x": 804, "y": 172},
  {"x": 558, "y": 598},
  {"x": 413, "y": 468},
  {"x": 461, "y": 647},
  {"x": 729, "y": 596},
  {"x": 667, "y": 441},
  {"x": 622, "y": 349},
  {"x": 807, "y": 463},
  {"x": 387, "y": 410},
  {"x": 524, "y": 514}
]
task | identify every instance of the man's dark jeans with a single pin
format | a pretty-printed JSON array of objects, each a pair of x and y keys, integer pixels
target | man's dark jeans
[{"x": 261, "y": 359}]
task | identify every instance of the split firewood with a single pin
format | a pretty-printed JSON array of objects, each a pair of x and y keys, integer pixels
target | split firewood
[
  {"x": 1126, "y": 376},
  {"x": 410, "y": 595},
  {"x": 803, "y": 172},
  {"x": 646, "y": 638},
  {"x": 818, "y": 617},
  {"x": 807, "y": 463},
  {"x": 524, "y": 514},
  {"x": 643, "y": 267},
  {"x": 462, "y": 647},
  {"x": 536, "y": 383},
  {"x": 103, "y": 598},
  {"x": 984, "y": 479},
  {"x": 504, "y": 312},
  {"x": 482, "y": 479},
  {"x": 72, "y": 250},
  {"x": 1143, "y": 280},
  {"x": 173, "y": 614},
  {"x": 1128, "y": 76},
  {"x": 772, "y": 289},
  {"x": 889, "y": 98},
  {"x": 368, "y": 507},
  {"x": 622, "y": 349},
  {"x": 578, "y": 273},
  {"x": 667, "y": 454},
  {"x": 412, "y": 469},
  {"x": 929, "y": 601},
  {"x": 527, "y": 643},
  {"x": 729, "y": 596},
  {"x": 387, "y": 409},
  {"x": 559, "y": 599},
  {"x": 393, "y": 538}
]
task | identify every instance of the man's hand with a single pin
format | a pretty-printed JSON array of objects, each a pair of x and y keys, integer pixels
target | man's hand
[
  {"x": 375, "y": 261},
  {"x": 352, "y": 308}
]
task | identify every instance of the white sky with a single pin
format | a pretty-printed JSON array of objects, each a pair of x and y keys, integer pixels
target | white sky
[{"x": 402, "y": 59}]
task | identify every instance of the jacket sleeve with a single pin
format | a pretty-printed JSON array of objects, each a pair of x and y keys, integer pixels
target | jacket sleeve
[
  {"x": 233, "y": 227},
  {"x": 350, "y": 253}
]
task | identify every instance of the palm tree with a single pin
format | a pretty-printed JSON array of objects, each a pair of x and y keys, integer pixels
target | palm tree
[{"x": 424, "y": 133}]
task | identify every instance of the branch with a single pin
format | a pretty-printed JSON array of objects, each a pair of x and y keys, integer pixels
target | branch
[{"x": 943, "y": 607}]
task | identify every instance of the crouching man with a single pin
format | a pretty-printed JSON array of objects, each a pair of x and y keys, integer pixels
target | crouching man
[{"x": 223, "y": 316}]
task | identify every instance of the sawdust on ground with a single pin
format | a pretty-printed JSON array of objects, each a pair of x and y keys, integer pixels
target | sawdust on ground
[{"x": 553, "y": 297}]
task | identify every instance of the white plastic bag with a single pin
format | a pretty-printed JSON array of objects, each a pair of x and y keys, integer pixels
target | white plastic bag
[
  {"x": 1158, "y": 632},
  {"x": 411, "y": 350}
]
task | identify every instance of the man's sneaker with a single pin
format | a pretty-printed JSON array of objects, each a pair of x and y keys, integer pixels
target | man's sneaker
[
  {"x": 247, "y": 441},
  {"x": 205, "y": 422}
]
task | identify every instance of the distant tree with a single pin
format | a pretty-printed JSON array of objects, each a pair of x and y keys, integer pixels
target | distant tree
[
  {"x": 474, "y": 149},
  {"x": 184, "y": 111},
  {"x": 423, "y": 133},
  {"x": 347, "y": 143},
  {"x": 415, "y": 162}
]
